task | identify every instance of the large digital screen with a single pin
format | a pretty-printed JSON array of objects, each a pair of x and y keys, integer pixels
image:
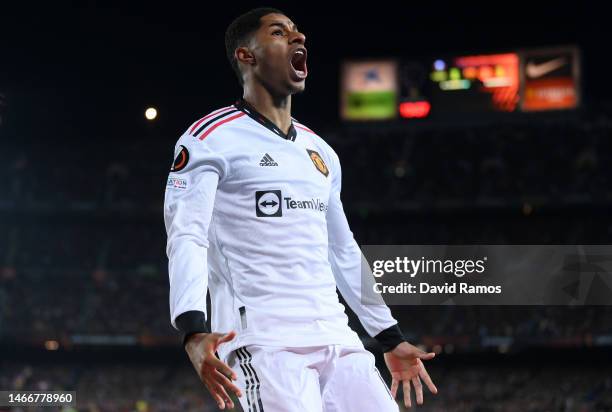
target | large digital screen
[
  {"x": 369, "y": 90},
  {"x": 462, "y": 86},
  {"x": 479, "y": 83},
  {"x": 550, "y": 79}
]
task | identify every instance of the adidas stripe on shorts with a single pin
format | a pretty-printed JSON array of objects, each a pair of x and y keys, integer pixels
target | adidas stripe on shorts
[{"x": 332, "y": 378}]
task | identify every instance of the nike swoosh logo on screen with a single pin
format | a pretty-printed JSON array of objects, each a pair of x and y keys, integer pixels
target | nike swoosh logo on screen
[{"x": 538, "y": 70}]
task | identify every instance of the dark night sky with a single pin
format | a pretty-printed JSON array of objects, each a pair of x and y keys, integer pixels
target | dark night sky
[{"x": 87, "y": 70}]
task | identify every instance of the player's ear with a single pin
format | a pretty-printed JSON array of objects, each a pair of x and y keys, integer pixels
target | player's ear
[{"x": 244, "y": 55}]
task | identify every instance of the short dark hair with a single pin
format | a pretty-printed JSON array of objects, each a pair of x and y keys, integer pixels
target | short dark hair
[{"x": 239, "y": 31}]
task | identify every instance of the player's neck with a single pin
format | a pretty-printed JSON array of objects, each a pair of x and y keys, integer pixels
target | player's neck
[{"x": 276, "y": 109}]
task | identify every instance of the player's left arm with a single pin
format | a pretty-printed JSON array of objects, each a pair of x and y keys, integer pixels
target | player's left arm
[{"x": 403, "y": 359}]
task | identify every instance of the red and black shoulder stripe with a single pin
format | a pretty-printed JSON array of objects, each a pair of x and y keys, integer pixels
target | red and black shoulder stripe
[
  {"x": 301, "y": 126},
  {"x": 211, "y": 121}
]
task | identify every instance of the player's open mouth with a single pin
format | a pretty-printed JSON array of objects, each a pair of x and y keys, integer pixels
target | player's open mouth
[{"x": 299, "y": 71}]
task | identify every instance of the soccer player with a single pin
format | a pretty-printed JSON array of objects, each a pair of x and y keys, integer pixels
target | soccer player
[{"x": 253, "y": 214}]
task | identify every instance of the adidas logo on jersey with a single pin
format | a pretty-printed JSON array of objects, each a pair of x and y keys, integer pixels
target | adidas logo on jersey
[{"x": 267, "y": 161}]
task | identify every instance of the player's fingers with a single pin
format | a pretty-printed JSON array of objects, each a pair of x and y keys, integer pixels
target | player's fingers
[
  {"x": 394, "y": 386},
  {"x": 226, "y": 337},
  {"x": 221, "y": 394},
  {"x": 418, "y": 389},
  {"x": 220, "y": 366},
  {"x": 425, "y": 355},
  {"x": 223, "y": 380},
  {"x": 406, "y": 386},
  {"x": 216, "y": 396},
  {"x": 423, "y": 374}
]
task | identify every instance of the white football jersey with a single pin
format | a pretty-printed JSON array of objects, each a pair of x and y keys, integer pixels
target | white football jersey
[{"x": 255, "y": 216}]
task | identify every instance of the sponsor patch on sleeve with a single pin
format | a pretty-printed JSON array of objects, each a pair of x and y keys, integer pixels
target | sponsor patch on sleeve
[
  {"x": 175, "y": 182},
  {"x": 181, "y": 159}
]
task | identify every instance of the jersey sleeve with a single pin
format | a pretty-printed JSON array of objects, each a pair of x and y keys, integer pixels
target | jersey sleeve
[
  {"x": 346, "y": 261},
  {"x": 188, "y": 206}
]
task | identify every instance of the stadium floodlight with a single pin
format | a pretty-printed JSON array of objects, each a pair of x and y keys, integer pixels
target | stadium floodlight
[{"x": 151, "y": 113}]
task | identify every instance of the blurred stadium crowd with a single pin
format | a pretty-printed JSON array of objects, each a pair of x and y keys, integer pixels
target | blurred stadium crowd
[
  {"x": 156, "y": 388},
  {"x": 82, "y": 254},
  {"x": 83, "y": 222},
  {"x": 559, "y": 162}
]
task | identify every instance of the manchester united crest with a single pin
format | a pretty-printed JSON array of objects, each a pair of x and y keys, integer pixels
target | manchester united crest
[{"x": 318, "y": 162}]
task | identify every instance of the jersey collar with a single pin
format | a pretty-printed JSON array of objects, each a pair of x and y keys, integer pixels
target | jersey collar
[{"x": 243, "y": 105}]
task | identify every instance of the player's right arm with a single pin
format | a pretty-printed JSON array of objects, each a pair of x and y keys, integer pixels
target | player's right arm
[{"x": 188, "y": 207}]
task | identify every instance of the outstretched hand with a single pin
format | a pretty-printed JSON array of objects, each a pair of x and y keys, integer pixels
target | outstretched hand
[
  {"x": 215, "y": 375},
  {"x": 405, "y": 363}
]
